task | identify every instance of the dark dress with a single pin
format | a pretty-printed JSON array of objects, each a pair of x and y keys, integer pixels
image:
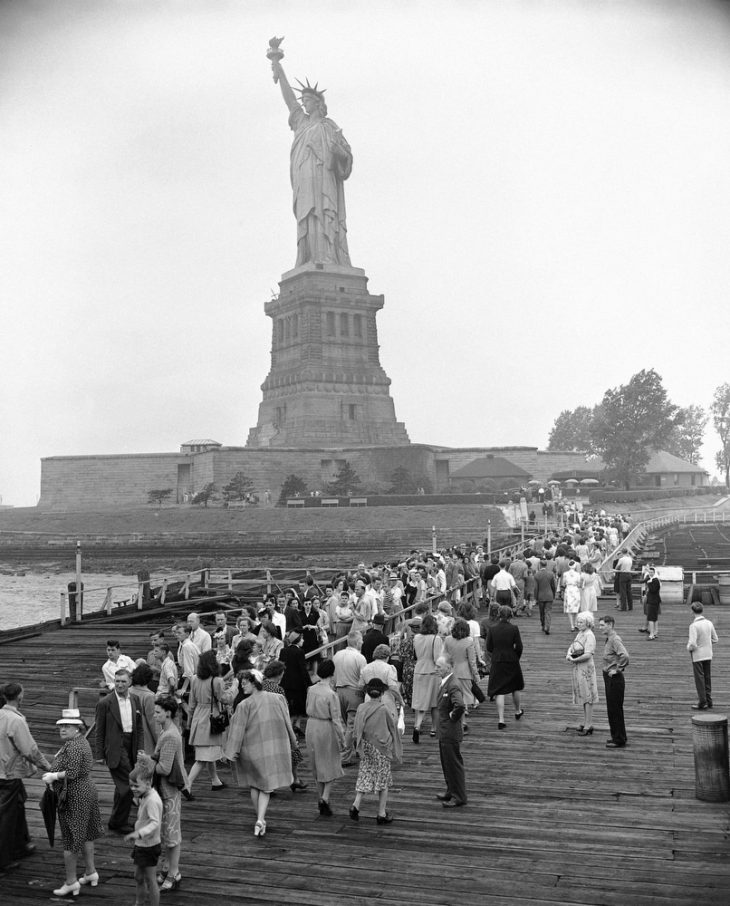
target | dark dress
[
  {"x": 653, "y": 600},
  {"x": 296, "y": 679},
  {"x": 80, "y": 820},
  {"x": 309, "y": 630},
  {"x": 505, "y": 646}
]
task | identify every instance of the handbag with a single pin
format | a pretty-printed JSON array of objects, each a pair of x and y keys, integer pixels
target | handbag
[
  {"x": 576, "y": 649},
  {"x": 175, "y": 778},
  {"x": 218, "y": 722}
]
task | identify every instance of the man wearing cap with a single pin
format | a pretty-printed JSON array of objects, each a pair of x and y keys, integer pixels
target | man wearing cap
[
  {"x": 119, "y": 737},
  {"x": 19, "y": 757},
  {"x": 374, "y": 637},
  {"x": 451, "y": 709}
]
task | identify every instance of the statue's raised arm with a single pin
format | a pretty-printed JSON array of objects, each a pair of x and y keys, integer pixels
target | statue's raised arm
[{"x": 321, "y": 160}]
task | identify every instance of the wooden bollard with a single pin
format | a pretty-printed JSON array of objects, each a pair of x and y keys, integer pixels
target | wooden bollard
[{"x": 712, "y": 768}]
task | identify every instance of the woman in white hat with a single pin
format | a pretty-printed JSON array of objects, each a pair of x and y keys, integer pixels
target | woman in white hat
[{"x": 79, "y": 817}]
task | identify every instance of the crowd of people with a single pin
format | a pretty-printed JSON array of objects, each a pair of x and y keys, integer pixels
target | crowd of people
[{"x": 249, "y": 694}]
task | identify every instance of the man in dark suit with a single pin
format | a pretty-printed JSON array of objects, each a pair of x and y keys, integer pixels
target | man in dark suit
[
  {"x": 119, "y": 737},
  {"x": 451, "y": 709},
  {"x": 545, "y": 594},
  {"x": 221, "y": 625}
]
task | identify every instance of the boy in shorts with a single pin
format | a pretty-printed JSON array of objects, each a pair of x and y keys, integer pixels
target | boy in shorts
[{"x": 146, "y": 835}]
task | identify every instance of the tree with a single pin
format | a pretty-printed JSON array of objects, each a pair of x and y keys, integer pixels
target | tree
[
  {"x": 573, "y": 430},
  {"x": 238, "y": 487},
  {"x": 631, "y": 421},
  {"x": 346, "y": 481},
  {"x": 688, "y": 434},
  {"x": 403, "y": 481},
  {"x": 159, "y": 495},
  {"x": 293, "y": 486},
  {"x": 720, "y": 410},
  {"x": 206, "y": 495}
]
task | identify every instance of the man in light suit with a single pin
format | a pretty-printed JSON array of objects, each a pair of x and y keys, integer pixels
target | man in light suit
[
  {"x": 119, "y": 737},
  {"x": 701, "y": 636},
  {"x": 451, "y": 709}
]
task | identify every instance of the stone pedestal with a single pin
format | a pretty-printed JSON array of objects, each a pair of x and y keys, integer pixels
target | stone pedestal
[{"x": 326, "y": 386}]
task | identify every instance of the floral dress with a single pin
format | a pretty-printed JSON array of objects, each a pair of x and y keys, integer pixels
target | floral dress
[
  {"x": 585, "y": 685},
  {"x": 80, "y": 820},
  {"x": 407, "y": 655}
]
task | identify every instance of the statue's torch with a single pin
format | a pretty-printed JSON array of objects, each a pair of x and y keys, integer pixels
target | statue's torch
[{"x": 275, "y": 54}]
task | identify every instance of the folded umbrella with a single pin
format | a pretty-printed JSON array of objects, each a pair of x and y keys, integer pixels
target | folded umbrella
[{"x": 49, "y": 809}]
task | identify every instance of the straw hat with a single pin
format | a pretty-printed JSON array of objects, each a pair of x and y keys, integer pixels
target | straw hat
[{"x": 70, "y": 717}]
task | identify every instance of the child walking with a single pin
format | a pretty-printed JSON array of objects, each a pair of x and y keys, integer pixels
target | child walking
[
  {"x": 146, "y": 835},
  {"x": 530, "y": 590}
]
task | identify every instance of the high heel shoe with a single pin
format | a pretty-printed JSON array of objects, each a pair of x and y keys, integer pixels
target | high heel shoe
[
  {"x": 518, "y": 714},
  {"x": 218, "y": 786},
  {"x": 354, "y": 813},
  {"x": 92, "y": 879},
  {"x": 585, "y": 731},
  {"x": 67, "y": 889},
  {"x": 298, "y": 785},
  {"x": 501, "y": 726},
  {"x": 384, "y": 819},
  {"x": 187, "y": 795},
  {"x": 259, "y": 829}
]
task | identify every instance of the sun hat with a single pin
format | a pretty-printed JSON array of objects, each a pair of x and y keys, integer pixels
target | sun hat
[{"x": 70, "y": 717}]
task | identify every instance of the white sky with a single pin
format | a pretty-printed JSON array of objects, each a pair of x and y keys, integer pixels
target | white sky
[{"x": 540, "y": 189}]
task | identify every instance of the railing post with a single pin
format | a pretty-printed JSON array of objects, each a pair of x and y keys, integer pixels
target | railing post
[
  {"x": 433, "y": 539},
  {"x": 140, "y": 596},
  {"x": 186, "y": 587},
  {"x": 489, "y": 537},
  {"x": 164, "y": 591},
  {"x": 230, "y": 580},
  {"x": 268, "y": 581},
  {"x": 63, "y": 608},
  {"x": 79, "y": 584},
  {"x": 107, "y": 606}
]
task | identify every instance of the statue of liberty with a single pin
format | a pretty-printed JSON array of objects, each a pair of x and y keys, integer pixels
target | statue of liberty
[{"x": 321, "y": 161}]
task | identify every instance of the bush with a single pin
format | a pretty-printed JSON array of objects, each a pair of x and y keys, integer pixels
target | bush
[{"x": 604, "y": 495}]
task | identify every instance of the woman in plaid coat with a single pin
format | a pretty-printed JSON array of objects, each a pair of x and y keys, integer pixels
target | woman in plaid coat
[{"x": 260, "y": 743}]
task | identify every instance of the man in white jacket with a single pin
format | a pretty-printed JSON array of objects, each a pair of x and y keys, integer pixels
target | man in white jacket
[{"x": 701, "y": 636}]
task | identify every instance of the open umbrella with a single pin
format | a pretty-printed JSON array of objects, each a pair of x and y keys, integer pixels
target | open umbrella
[
  {"x": 589, "y": 481},
  {"x": 534, "y": 481},
  {"x": 571, "y": 481},
  {"x": 553, "y": 481},
  {"x": 49, "y": 808}
]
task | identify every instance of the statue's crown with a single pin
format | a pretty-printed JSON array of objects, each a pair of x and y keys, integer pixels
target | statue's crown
[{"x": 314, "y": 90}]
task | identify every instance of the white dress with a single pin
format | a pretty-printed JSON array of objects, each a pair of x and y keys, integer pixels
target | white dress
[
  {"x": 571, "y": 598},
  {"x": 589, "y": 592}
]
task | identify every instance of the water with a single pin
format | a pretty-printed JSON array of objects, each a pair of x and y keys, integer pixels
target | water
[{"x": 36, "y": 597}]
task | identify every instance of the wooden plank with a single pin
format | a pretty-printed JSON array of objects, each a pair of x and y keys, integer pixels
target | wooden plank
[{"x": 552, "y": 818}]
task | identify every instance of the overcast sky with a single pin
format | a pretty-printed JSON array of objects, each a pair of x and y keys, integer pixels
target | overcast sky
[{"x": 540, "y": 189}]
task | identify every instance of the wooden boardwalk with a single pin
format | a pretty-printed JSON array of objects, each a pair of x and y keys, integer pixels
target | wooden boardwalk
[{"x": 552, "y": 818}]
